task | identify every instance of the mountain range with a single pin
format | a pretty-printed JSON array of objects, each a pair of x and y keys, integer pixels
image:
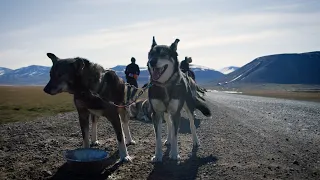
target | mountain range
[
  {"x": 39, "y": 75},
  {"x": 289, "y": 68}
]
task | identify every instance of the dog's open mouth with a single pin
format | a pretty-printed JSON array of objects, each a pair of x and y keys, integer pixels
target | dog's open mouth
[{"x": 157, "y": 72}]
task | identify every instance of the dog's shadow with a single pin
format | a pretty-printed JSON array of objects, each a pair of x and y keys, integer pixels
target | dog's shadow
[
  {"x": 188, "y": 169},
  {"x": 64, "y": 172}
]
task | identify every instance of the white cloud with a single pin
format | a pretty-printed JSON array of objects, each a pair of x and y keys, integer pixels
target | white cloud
[{"x": 229, "y": 39}]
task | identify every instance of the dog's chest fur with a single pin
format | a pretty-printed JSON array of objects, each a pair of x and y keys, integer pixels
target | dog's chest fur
[{"x": 168, "y": 98}]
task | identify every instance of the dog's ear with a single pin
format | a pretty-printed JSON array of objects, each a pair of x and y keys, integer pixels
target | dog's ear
[
  {"x": 174, "y": 45},
  {"x": 154, "y": 43},
  {"x": 79, "y": 65},
  {"x": 53, "y": 57}
]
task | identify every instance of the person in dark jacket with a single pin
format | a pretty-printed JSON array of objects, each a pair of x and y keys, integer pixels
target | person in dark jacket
[
  {"x": 185, "y": 68},
  {"x": 132, "y": 72}
]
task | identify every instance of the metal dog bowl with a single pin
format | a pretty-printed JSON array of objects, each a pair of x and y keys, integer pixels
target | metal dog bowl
[{"x": 86, "y": 160}]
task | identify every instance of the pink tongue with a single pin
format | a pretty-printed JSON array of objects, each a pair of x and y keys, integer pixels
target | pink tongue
[{"x": 156, "y": 74}]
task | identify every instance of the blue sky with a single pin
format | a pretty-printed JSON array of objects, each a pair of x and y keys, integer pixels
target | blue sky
[{"x": 216, "y": 33}]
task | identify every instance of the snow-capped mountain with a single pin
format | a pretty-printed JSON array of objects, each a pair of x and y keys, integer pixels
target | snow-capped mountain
[
  {"x": 39, "y": 75},
  {"x": 32, "y": 70},
  {"x": 286, "y": 68},
  {"x": 4, "y": 70},
  {"x": 30, "y": 75},
  {"x": 229, "y": 69}
]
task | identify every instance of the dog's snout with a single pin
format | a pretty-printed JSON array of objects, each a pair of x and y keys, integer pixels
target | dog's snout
[
  {"x": 46, "y": 90},
  {"x": 153, "y": 62}
]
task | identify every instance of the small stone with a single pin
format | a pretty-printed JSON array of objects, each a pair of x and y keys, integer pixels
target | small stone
[
  {"x": 287, "y": 139},
  {"x": 296, "y": 163},
  {"x": 48, "y": 173}
]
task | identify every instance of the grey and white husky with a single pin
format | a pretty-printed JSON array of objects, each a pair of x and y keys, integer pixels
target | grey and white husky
[
  {"x": 172, "y": 91},
  {"x": 141, "y": 110}
]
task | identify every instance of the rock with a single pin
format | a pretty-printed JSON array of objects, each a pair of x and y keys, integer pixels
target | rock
[{"x": 47, "y": 173}]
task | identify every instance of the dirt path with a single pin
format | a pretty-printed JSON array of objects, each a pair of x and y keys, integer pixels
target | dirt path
[{"x": 235, "y": 144}]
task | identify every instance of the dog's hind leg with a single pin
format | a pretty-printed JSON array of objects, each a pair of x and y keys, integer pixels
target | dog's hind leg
[
  {"x": 94, "y": 133},
  {"x": 116, "y": 123},
  {"x": 125, "y": 125},
  {"x": 191, "y": 115},
  {"x": 157, "y": 123},
  {"x": 169, "y": 128},
  {"x": 84, "y": 125}
]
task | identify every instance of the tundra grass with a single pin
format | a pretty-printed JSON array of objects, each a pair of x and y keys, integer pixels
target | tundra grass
[
  {"x": 23, "y": 103},
  {"x": 304, "y": 96}
]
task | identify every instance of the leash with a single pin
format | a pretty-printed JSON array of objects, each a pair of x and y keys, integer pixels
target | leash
[{"x": 135, "y": 99}]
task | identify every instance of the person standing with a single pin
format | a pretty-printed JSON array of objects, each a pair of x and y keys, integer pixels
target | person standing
[
  {"x": 132, "y": 72},
  {"x": 185, "y": 67}
]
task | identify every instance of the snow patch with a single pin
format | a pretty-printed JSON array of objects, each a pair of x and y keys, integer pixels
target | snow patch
[
  {"x": 228, "y": 70},
  {"x": 236, "y": 78},
  {"x": 232, "y": 92}
]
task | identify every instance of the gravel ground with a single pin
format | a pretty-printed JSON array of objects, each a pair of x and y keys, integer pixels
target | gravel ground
[{"x": 247, "y": 138}]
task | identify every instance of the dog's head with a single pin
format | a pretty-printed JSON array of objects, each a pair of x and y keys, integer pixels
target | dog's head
[
  {"x": 64, "y": 74},
  {"x": 163, "y": 61}
]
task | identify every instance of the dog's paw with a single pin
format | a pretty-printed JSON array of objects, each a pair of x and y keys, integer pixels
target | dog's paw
[
  {"x": 132, "y": 142},
  {"x": 155, "y": 159},
  {"x": 126, "y": 159},
  {"x": 174, "y": 156},
  {"x": 196, "y": 144},
  {"x": 167, "y": 142},
  {"x": 95, "y": 143},
  {"x": 146, "y": 119}
]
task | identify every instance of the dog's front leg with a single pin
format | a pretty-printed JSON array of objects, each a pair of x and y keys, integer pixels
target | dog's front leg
[
  {"x": 169, "y": 128},
  {"x": 94, "y": 133},
  {"x": 84, "y": 125},
  {"x": 157, "y": 122},
  {"x": 174, "y": 140},
  {"x": 124, "y": 115},
  {"x": 116, "y": 123}
]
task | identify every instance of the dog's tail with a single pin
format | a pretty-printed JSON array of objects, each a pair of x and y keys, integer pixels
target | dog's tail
[{"x": 203, "y": 107}]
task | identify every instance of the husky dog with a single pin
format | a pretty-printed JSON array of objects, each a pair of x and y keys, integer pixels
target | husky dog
[
  {"x": 89, "y": 83},
  {"x": 171, "y": 91},
  {"x": 141, "y": 110}
]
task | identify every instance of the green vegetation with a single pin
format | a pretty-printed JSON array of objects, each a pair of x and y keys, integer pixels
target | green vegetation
[
  {"x": 305, "y": 96},
  {"x": 22, "y": 103}
]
